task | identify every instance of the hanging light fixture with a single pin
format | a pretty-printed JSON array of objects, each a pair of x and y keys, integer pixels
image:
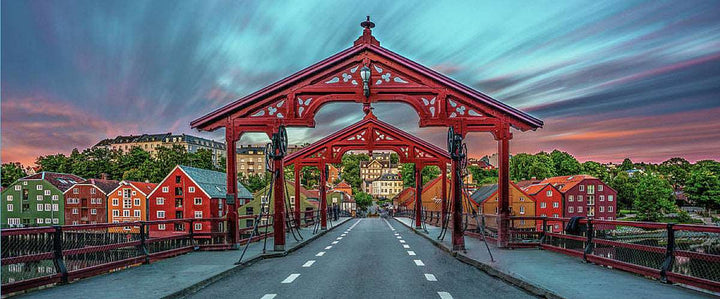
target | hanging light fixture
[{"x": 365, "y": 75}]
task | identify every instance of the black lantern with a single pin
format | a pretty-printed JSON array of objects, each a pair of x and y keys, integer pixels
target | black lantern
[{"x": 365, "y": 75}]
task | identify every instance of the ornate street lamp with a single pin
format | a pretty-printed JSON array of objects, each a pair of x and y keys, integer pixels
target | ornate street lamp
[{"x": 365, "y": 75}]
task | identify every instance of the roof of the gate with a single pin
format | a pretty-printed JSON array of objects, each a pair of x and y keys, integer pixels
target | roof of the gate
[
  {"x": 367, "y": 121},
  {"x": 299, "y": 76}
]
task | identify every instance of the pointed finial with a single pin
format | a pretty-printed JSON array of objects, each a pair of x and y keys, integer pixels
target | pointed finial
[{"x": 367, "y": 24}]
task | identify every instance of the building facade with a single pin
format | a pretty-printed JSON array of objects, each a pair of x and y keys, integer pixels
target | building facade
[
  {"x": 521, "y": 204},
  {"x": 251, "y": 158},
  {"x": 548, "y": 203},
  {"x": 189, "y": 192},
  {"x": 262, "y": 203},
  {"x": 386, "y": 186},
  {"x": 128, "y": 202},
  {"x": 344, "y": 187},
  {"x": 86, "y": 202},
  {"x": 586, "y": 196},
  {"x": 151, "y": 142},
  {"x": 36, "y": 200},
  {"x": 342, "y": 199},
  {"x": 378, "y": 165}
]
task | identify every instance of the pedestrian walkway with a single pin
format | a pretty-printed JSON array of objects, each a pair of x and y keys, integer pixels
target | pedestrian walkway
[
  {"x": 551, "y": 274},
  {"x": 172, "y": 276}
]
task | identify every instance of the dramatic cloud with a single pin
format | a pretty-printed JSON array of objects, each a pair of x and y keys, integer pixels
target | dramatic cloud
[{"x": 610, "y": 79}]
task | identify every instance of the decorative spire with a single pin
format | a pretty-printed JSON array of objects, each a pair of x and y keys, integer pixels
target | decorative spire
[{"x": 367, "y": 37}]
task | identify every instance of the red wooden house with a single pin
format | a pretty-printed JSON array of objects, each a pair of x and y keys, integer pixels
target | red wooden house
[
  {"x": 548, "y": 203},
  {"x": 585, "y": 196},
  {"x": 189, "y": 192},
  {"x": 86, "y": 202}
]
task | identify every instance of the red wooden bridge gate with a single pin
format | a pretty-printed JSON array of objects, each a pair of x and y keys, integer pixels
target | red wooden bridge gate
[{"x": 368, "y": 73}]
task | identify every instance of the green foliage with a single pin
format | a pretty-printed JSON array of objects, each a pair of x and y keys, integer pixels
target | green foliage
[
  {"x": 255, "y": 182},
  {"x": 565, "y": 164},
  {"x": 394, "y": 158},
  {"x": 653, "y": 198},
  {"x": 703, "y": 187},
  {"x": 627, "y": 164},
  {"x": 363, "y": 200},
  {"x": 676, "y": 171},
  {"x": 482, "y": 176},
  {"x": 596, "y": 169},
  {"x": 625, "y": 187},
  {"x": 525, "y": 166},
  {"x": 351, "y": 169},
  {"x": 407, "y": 173},
  {"x": 11, "y": 172}
]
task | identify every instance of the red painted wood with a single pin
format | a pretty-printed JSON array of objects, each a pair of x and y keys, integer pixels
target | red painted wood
[
  {"x": 279, "y": 200},
  {"x": 418, "y": 196},
  {"x": 323, "y": 197}
]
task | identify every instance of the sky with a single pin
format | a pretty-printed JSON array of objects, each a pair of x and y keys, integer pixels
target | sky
[{"x": 610, "y": 79}]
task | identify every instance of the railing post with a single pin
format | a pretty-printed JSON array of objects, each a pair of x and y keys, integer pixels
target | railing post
[
  {"x": 544, "y": 229},
  {"x": 589, "y": 234},
  {"x": 143, "y": 243},
  {"x": 192, "y": 234},
  {"x": 57, "y": 254},
  {"x": 669, "y": 254}
]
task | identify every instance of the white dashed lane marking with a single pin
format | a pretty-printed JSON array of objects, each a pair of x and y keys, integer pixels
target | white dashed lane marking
[
  {"x": 445, "y": 295},
  {"x": 334, "y": 242},
  {"x": 308, "y": 264},
  {"x": 406, "y": 246},
  {"x": 339, "y": 238},
  {"x": 291, "y": 278},
  {"x": 328, "y": 247},
  {"x": 410, "y": 252},
  {"x": 402, "y": 241},
  {"x": 268, "y": 296},
  {"x": 399, "y": 237},
  {"x": 419, "y": 263},
  {"x": 321, "y": 253},
  {"x": 388, "y": 224},
  {"x": 430, "y": 277}
]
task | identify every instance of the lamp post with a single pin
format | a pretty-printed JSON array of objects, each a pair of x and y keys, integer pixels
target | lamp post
[{"x": 365, "y": 75}]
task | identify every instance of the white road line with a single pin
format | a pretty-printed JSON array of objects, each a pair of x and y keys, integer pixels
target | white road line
[
  {"x": 339, "y": 238},
  {"x": 388, "y": 223},
  {"x": 397, "y": 234},
  {"x": 399, "y": 237},
  {"x": 308, "y": 263},
  {"x": 430, "y": 277},
  {"x": 268, "y": 296},
  {"x": 410, "y": 252},
  {"x": 335, "y": 242},
  {"x": 291, "y": 278},
  {"x": 321, "y": 253},
  {"x": 406, "y": 246},
  {"x": 402, "y": 241},
  {"x": 343, "y": 235},
  {"x": 328, "y": 247},
  {"x": 419, "y": 263},
  {"x": 445, "y": 295}
]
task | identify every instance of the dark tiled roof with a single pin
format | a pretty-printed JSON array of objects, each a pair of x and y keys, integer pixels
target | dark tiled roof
[
  {"x": 482, "y": 193},
  {"x": 214, "y": 182},
  {"x": 106, "y": 186},
  {"x": 389, "y": 177},
  {"x": 62, "y": 181}
]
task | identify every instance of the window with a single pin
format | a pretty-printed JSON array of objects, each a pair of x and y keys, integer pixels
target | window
[
  {"x": 543, "y": 215},
  {"x": 92, "y": 191},
  {"x": 198, "y": 214},
  {"x": 543, "y": 205},
  {"x": 160, "y": 214},
  {"x": 591, "y": 211},
  {"x": 56, "y": 221},
  {"x": 119, "y": 192},
  {"x": 9, "y": 207},
  {"x": 570, "y": 198},
  {"x": 48, "y": 207},
  {"x": 178, "y": 191},
  {"x": 522, "y": 198},
  {"x": 55, "y": 207},
  {"x": 610, "y": 218},
  {"x": 177, "y": 179},
  {"x": 591, "y": 189},
  {"x": 134, "y": 193},
  {"x": 126, "y": 193},
  {"x": 76, "y": 191},
  {"x": 602, "y": 209},
  {"x": 39, "y": 187},
  {"x": 39, "y": 207},
  {"x": 522, "y": 210},
  {"x": 249, "y": 210},
  {"x": 191, "y": 189},
  {"x": 556, "y": 215},
  {"x": 263, "y": 199},
  {"x": 39, "y": 197},
  {"x": 75, "y": 211},
  {"x": 496, "y": 210},
  {"x": 582, "y": 188},
  {"x": 556, "y": 204},
  {"x": 47, "y": 192},
  {"x": 198, "y": 201},
  {"x": 548, "y": 193},
  {"x": 127, "y": 203},
  {"x": 93, "y": 211},
  {"x": 39, "y": 221},
  {"x": 160, "y": 201},
  {"x": 165, "y": 189},
  {"x": 161, "y": 226},
  {"x": 600, "y": 188},
  {"x": 610, "y": 208},
  {"x": 610, "y": 198},
  {"x": 126, "y": 213},
  {"x": 9, "y": 198},
  {"x": 580, "y": 198},
  {"x": 115, "y": 202},
  {"x": 18, "y": 188},
  {"x": 116, "y": 213},
  {"x": 591, "y": 200},
  {"x": 602, "y": 197},
  {"x": 571, "y": 209},
  {"x": 248, "y": 223},
  {"x": 579, "y": 209},
  {"x": 55, "y": 197},
  {"x": 137, "y": 202},
  {"x": 178, "y": 202},
  {"x": 136, "y": 213},
  {"x": 198, "y": 226}
]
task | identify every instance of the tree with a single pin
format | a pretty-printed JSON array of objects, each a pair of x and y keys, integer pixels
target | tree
[
  {"x": 625, "y": 187},
  {"x": 54, "y": 163},
  {"x": 255, "y": 182},
  {"x": 11, "y": 172},
  {"x": 394, "y": 158},
  {"x": 595, "y": 169},
  {"x": 703, "y": 187},
  {"x": 351, "y": 169},
  {"x": 653, "y": 198},
  {"x": 363, "y": 200},
  {"x": 565, "y": 164},
  {"x": 675, "y": 171},
  {"x": 626, "y": 165},
  {"x": 525, "y": 166},
  {"x": 482, "y": 176},
  {"x": 428, "y": 173}
]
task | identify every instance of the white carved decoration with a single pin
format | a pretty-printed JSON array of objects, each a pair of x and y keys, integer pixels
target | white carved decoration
[
  {"x": 271, "y": 110},
  {"x": 431, "y": 104},
  {"x": 461, "y": 110},
  {"x": 345, "y": 77},
  {"x": 302, "y": 104},
  {"x": 404, "y": 151},
  {"x": 380, "y": 136},
  {"x": 359, "y": 136},
  {"x": 386, "y": 76}
]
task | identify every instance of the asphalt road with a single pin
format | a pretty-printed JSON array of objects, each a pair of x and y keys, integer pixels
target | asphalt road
[{"x": 364, "y": 258}]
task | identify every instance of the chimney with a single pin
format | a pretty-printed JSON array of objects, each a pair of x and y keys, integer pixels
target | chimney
[
  {"x": 147, "y": 181},
  {"x": 533, "y": 178},
  {"x": 104, "y": 176}
]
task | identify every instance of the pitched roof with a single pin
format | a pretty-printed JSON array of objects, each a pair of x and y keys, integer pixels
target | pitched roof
[
  {"x": 143, "y": 187},
  {"x": 565, "y": 183},
  {"x": 534, "y": 189},
  {"x": 214, "y": 183},
  {"x": 342, "y": 184},
  {"x": 483, "y": 193},
  {"x": 389, "y": 177},
  {"x": 106, "y": 186},
  {"x": 62, "y": 181},
  {"x": 525, "y": 183}
]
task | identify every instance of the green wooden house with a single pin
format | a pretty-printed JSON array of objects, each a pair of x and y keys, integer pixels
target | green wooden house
[
  {"x": 36, "y": 200},
  {"x": 260, "y": 197}
]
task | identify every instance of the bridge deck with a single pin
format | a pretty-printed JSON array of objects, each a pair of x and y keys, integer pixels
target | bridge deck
[{"x": 562, "y": 275}]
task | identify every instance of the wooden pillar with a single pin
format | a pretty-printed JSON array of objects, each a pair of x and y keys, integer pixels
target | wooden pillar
[
  {"x": 279, "y": 201},
  {"x": 418, "y": 195},
  {"x": 297, "y": 194},
  {"x": 503, "y": 137},
  {"x": 458, "y": 239},
  {"x": 443, "y": 204},
  {"x": 231, "y": 195},
  {"x": 323, "y": 198}
]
